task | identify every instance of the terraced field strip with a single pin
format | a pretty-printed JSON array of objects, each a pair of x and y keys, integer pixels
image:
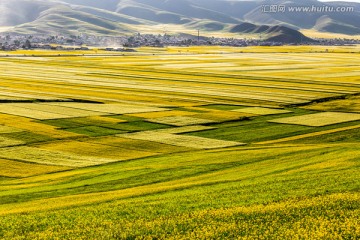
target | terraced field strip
[
  {"x": 7, "y": 129},
  {"x": 224, "y": 80},
  {"x": 26, "y": 96},
  {"x": 185, "y": 129},
  {"x": 181, "y": 121},
  {"x": 28, "y": 125},
  {"x": 102, "y": 81},
  {"x": 110, "y": 108},
  {"x": 221, "y": 116},
  {"x": 135, "y": 144},
  {"x": 197, "y": 65},
  {"x": 62, "y": 158},
  {"x": 181, "y": 140},
  {"x": 54, "y": 109},
  {"x": 8, "y": 142},
  {"x": 30, "y": 113},
  {"x": 163, "y": 114},
  {"x": 319, "y": 119},
  {"x": 351, "y": 104},
  {"x": 16, "y": 169},
  {"x": 200, "y": 94},
  {"x": 106, "y": 119},
  {"x": 96, "y": 150},
  {"x": 206, "y": 91},
  {"x": 262, "y": 111},
  {"x": 21, "y": 95},
  {"x": 314, "y": 134},
  {"x": 108, "y": 95}
]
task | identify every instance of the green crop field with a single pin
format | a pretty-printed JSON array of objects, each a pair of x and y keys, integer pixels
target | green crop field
[{"x": 181, "y": 143}]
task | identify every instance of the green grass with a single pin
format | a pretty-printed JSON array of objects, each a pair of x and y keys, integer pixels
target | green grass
[
  {"x": 252, "y": 133},
  {"x": 128, "y": 221},
  {"x": 255, "y": 129},
  {"x": 28, "y": 137},
  {"x": 140, "y": 126},
  {"x": 95, "y": 131},
  {"x": 350, "y": 136},
  {"x": 211, "y": 183},
  {"x": 258, "y": 129},
  {"x": 210, "y": 168}
]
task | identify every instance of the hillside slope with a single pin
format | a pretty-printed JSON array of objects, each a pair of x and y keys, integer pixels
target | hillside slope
[{"x": 125, "y": 16}]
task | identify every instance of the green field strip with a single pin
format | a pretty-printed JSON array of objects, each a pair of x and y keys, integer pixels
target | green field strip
[
  {"x": 132, "y": 169},
  {"x": 251, "y": 132},
  {"x": 95, "y": 131},
  {"x": 262, "y": 167},
  {"x": 200, "y": 221},
  {"x": 26, "y": 137},
  {"x": 309, "y": 135}
]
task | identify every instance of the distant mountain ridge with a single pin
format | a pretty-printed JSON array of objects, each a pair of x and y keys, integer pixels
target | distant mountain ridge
[{"x": 110, "y": 17}]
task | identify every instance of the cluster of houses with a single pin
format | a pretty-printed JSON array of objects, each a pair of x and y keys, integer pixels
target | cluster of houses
[
  {"x": 125, "y": 43},
  {"x": 150, "y": 40}
]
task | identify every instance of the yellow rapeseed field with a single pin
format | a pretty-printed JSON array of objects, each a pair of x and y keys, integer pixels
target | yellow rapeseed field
[{"x": 180, "y": 143}]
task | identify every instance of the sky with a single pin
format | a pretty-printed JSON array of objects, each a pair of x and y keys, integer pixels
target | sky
[{"x": 358, "y": 1}]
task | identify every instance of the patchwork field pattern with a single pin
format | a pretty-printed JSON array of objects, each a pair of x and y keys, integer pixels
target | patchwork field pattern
[{"x": 227, "y": 143}]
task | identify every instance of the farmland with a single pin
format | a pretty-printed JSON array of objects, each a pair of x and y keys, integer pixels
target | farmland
[{"x": 181, "y": 143}]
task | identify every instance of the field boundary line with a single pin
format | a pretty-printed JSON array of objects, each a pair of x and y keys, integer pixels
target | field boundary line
[{"x": 314, "y": 134}]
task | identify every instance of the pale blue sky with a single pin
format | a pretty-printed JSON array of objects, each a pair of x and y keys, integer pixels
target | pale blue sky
[{"x": 358, "y": 1}]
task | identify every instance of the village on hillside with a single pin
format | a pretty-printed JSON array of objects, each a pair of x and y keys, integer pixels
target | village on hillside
[{"x": 12, "y": 42}]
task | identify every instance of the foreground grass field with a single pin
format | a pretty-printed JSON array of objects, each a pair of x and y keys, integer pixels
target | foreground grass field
[{"x": 181, "y": 143}]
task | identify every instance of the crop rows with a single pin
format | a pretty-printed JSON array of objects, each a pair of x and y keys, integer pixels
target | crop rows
[{"x": 212, "y": 147}]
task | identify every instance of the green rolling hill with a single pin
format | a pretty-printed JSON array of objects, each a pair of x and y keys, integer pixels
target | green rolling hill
[{"x": 109, "y": 17}]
